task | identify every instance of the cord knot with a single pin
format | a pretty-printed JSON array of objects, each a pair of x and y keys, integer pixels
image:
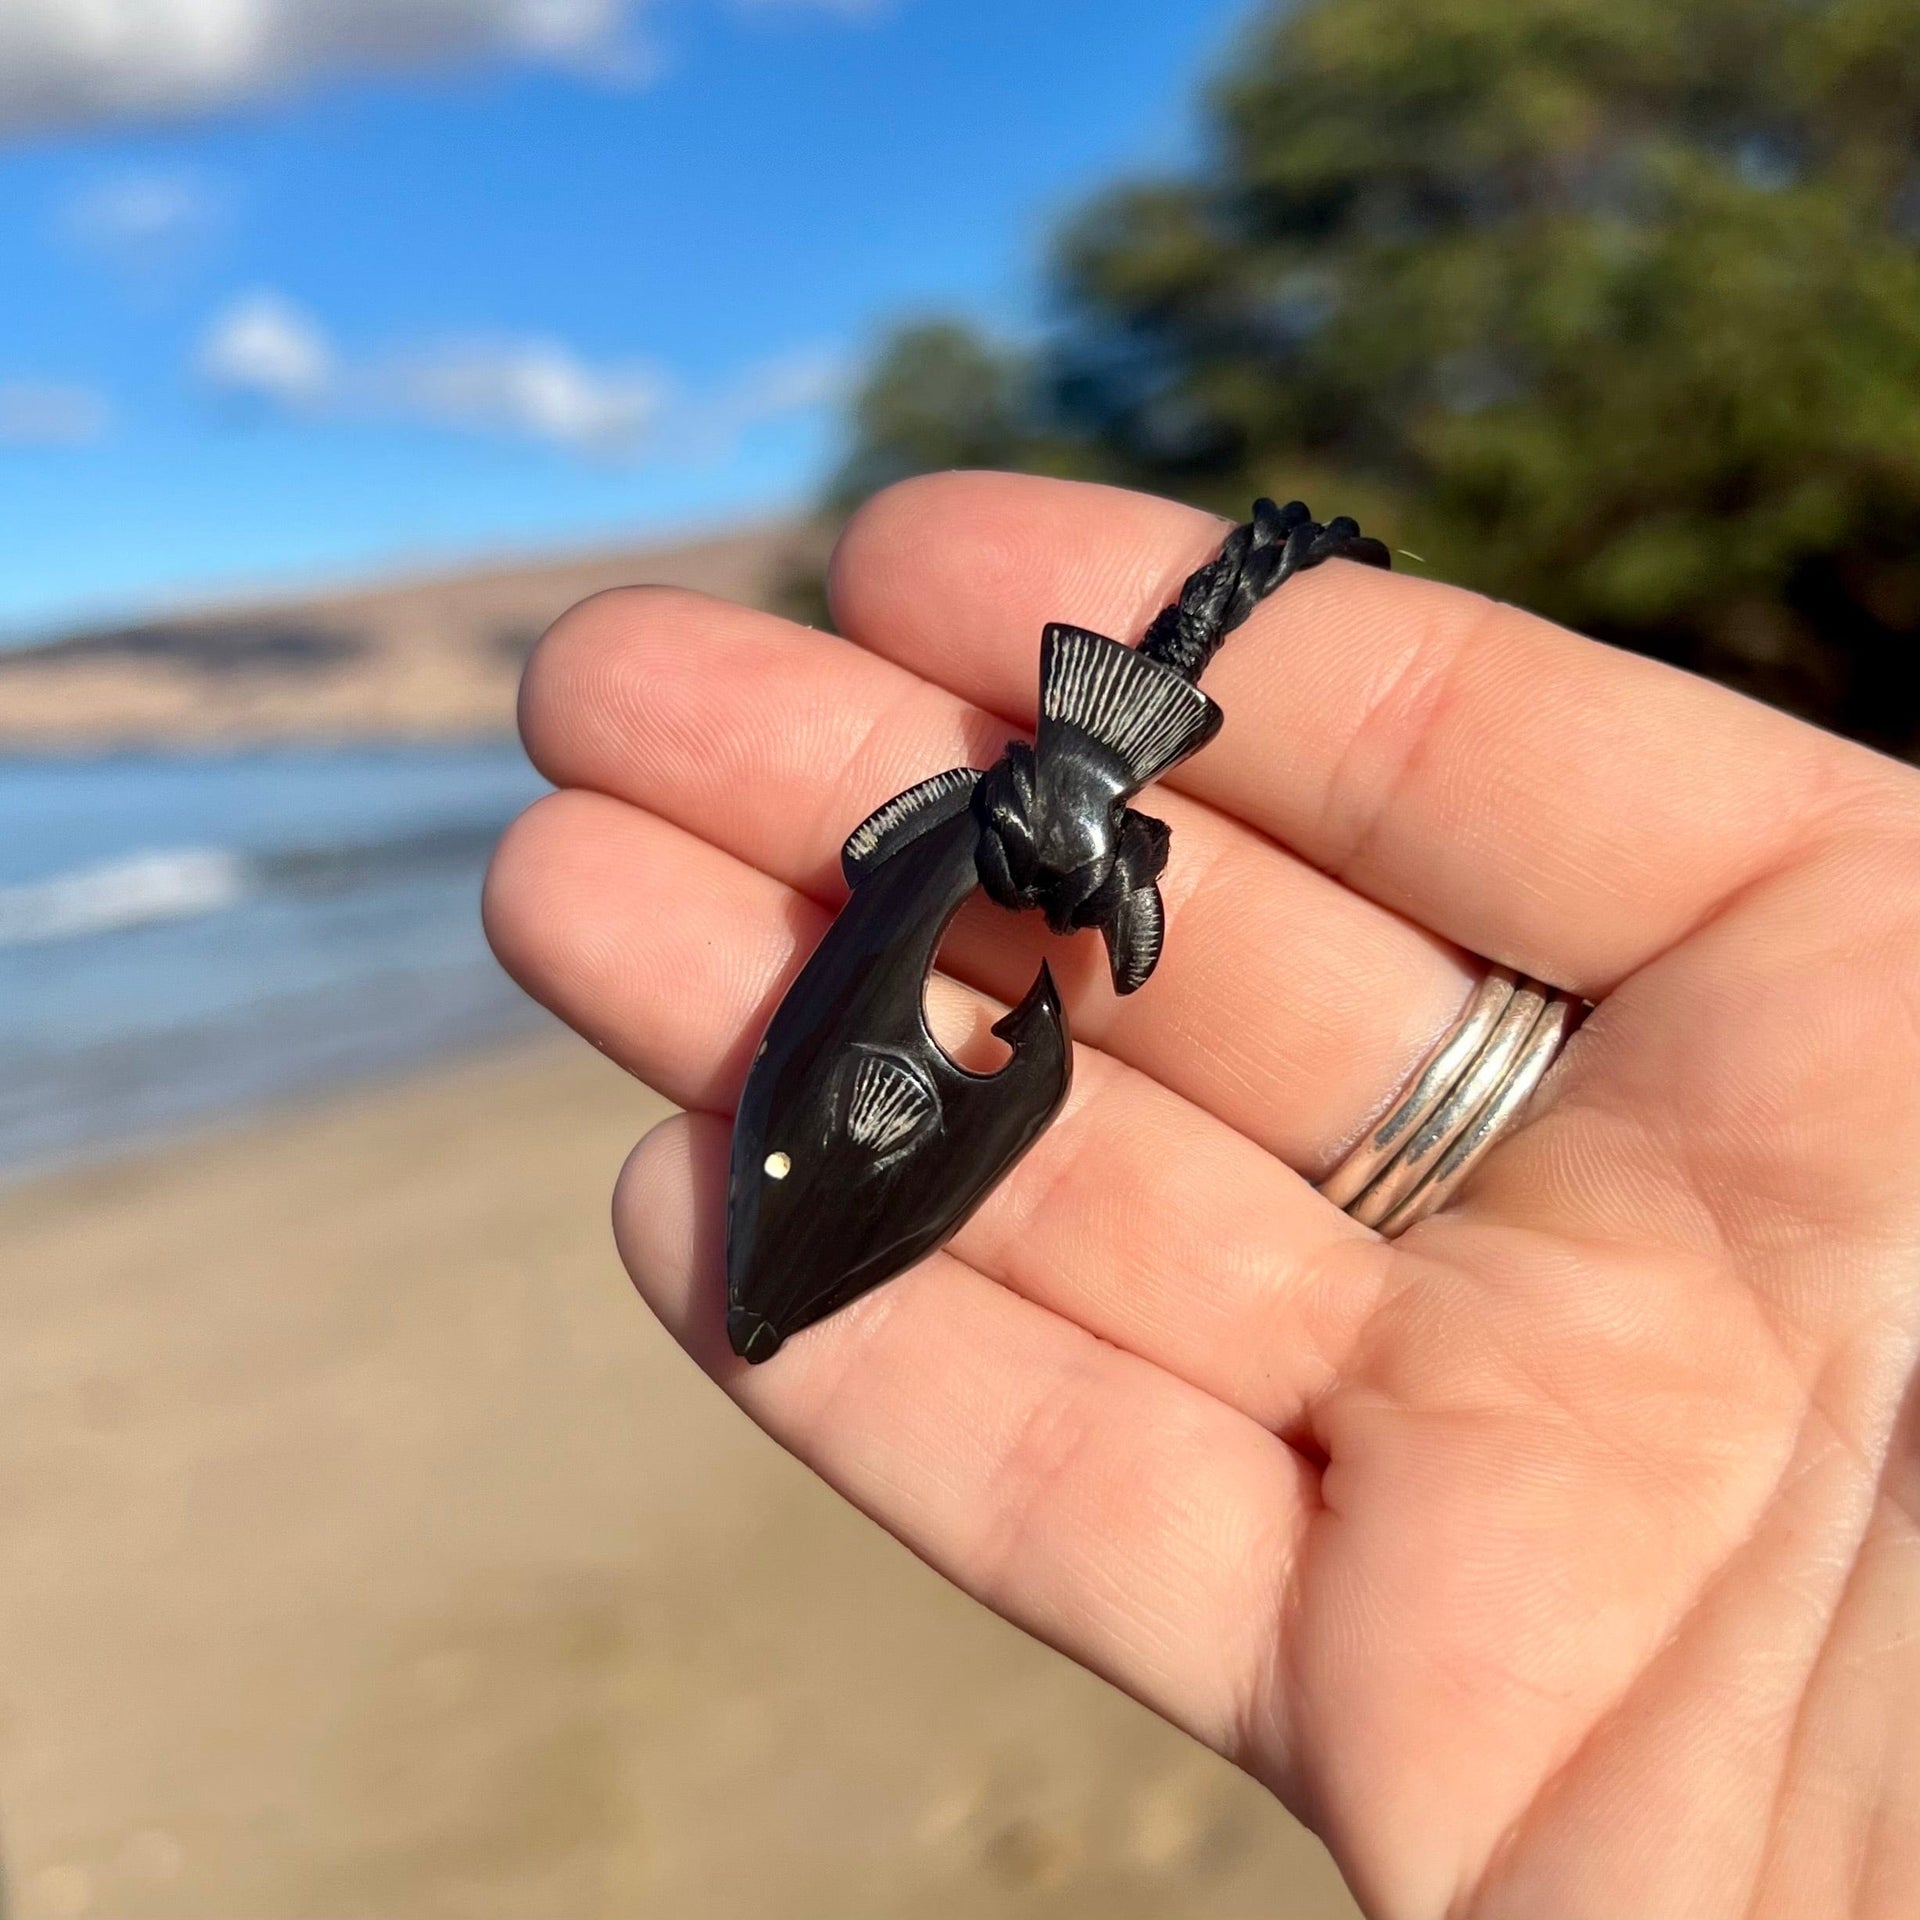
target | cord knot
[{"x": 1081, "y": 859}]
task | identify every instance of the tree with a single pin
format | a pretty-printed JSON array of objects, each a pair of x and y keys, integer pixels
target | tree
[
  {"x": 1611, "y": 307},
  {"x": 939, "y": 396}
]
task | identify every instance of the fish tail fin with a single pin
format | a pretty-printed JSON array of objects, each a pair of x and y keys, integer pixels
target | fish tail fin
[{"x": 1145, "y": 713}]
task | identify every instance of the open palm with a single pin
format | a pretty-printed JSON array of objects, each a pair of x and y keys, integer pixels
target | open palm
[{"x": 1559, "y": 1559}]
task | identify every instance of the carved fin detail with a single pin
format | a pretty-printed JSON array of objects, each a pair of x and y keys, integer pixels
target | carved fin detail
[
  {"x": 905, "y": 817},
  {"x": 888, "y": 1103},
  {"x": 1134, "y": 936},
  {"x": 1139, "y": 709}
]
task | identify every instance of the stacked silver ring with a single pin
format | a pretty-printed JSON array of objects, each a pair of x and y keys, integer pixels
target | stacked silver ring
[{"x": 1469, "y": 1090}]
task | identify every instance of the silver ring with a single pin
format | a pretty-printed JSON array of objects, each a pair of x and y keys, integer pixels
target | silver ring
[{"x": 1467, "y": 1093}]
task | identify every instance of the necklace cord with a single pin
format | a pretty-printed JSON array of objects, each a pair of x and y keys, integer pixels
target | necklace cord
[{"x": 1254, "y": 561}]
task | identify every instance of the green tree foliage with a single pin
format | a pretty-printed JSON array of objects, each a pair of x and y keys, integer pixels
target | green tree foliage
[
  {"x": 1611, "y": 307},
  {"x": 940, "y": 396}
]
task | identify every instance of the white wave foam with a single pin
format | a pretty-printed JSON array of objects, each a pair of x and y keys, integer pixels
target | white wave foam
[{"x": 136, "y": 892}]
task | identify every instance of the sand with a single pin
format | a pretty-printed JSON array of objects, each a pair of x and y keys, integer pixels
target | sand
[{"x": 370, "y": 1552}]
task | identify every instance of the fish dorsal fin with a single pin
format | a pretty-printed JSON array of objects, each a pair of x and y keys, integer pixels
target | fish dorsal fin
[
  {"x": 887, "y": 1104},
  {"x": 1141, "y": 711},
  {"x": 905, "y": 817}
]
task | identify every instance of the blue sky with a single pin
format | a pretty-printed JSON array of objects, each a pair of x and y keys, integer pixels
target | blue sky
[{"x": 558, "y": 271}]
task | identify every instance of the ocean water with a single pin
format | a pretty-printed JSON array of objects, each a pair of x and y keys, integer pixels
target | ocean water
[{"x": 182, "y": 937}]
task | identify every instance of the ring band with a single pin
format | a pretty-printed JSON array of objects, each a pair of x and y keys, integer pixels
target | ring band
[{"x": 1468, "y": 1091}]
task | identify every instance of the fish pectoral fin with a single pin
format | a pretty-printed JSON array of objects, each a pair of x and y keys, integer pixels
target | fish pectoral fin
[
  {"x": 906, "y": 817},
  {"x": 1133, "y": 919},
  {"x": 1146, "y": 714},
  {"x": 888, "y": 1103},
  {"x": 1134, "y": 936}
]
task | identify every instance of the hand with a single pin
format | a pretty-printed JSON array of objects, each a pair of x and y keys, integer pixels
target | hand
[{"x": 1557, "y": 1560}]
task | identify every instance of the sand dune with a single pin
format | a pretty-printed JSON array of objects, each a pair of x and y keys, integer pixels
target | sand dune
[{"x": 371, "y": 1556}]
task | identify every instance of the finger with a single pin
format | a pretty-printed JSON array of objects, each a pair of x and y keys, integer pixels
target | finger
[
  {"x": 1134, "y": 1523},
  {"x": 1285, "y": 1004},
  {"x": 1543, "y": 800},
  {"x": 1136, "y": 1215}
]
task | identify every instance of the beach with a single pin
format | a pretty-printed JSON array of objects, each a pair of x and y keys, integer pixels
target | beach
[{"x": 372, "y": 1554}]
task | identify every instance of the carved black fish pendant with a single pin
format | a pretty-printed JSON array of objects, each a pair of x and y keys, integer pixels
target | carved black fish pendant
[{"x": 860, "y": 1146}]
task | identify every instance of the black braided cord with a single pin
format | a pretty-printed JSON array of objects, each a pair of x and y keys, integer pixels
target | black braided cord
[{"x": 1255, "y": 560}]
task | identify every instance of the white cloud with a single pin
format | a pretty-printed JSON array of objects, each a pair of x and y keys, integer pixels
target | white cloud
[
  {"x": 269, "y": 351},
  {"x": 50, "y": 413},
  {"x": 265, "y": 348},
  {"x": 772, "y": 389},
  {"x": 537, "y": 389},
  {"x": 63, "y": 61},
  {"x": 792, "y": 383},
  {"x": 145, "y": 222}
]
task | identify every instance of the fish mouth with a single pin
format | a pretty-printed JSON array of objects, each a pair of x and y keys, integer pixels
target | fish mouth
[
  {"x": 763, "y": 1314},
  {"x": 753, "y": 1336}
]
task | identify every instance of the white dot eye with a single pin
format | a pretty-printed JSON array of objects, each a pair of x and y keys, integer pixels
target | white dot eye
[{"x": 778, "y": 1166}]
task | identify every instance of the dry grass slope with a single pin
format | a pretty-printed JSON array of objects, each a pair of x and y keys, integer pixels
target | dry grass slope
[{"x": 435, "y": 658}]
